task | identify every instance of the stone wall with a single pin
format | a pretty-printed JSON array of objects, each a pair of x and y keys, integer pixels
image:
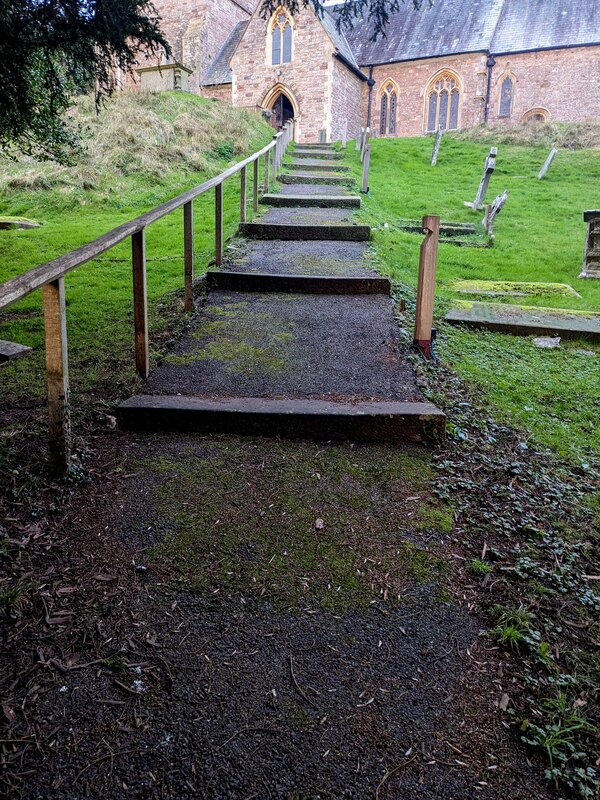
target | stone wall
[
  {"x": 566, "y": 83},
  {"x": 222, "y": 91},
  {"x": 346, "y": 93},
  {"x": 306, "y": 80},
  {"x": 413, "y": 78}
]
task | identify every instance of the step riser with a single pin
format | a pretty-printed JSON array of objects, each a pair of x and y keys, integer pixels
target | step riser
[
  {"x": 319, "y": 167},
  {"x": 318, "y": 154},
  {"x": 187, "y": 416},
  {"x": 325, "y": 180},
  {"x": 308, "y": 201},
  {"x": 297, "y": 284},
  {"x": 344, "y": 233}
]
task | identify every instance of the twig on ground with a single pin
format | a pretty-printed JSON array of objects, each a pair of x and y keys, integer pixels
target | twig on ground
[
  {"x": 389, "y": 774},
  {"x": 298, "y": 689}
]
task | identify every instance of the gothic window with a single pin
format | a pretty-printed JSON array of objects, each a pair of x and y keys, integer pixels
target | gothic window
[
  {"x": 281, "y": 38},
  {"x": 387, "y": 109},
  {"x": 506, "y": 97},
  {"x": 443, "y": 102},
  {"x": 536, "y": 115}
]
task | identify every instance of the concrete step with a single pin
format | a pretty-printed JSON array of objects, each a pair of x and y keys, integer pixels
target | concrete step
[
  {"x": 321, "y": 201},
  {"x": 318, "y": 164},
  {"x": 336, "y": 259},
  {"x": 324, "y": 420},
  {"x": 231, "y": 281},
  {"x": 300, "y": 232},
  {"x": 327, "y": 179},
  {"x": 9, "y": 351},
  {"x": 329, "y": 155},
  {"x": 316, "y": 145}
]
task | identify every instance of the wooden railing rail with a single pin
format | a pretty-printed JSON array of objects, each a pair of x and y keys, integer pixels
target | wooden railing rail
[{"x": 51, "y": 276}]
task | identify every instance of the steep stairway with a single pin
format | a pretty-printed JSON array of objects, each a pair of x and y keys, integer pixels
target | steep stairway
[{"x": 297, "y": 336}]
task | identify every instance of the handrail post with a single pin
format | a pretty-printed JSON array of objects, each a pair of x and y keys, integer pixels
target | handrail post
[
  {"x": 267, "y": 163},
  {"x": 57, "y": 375},
  {"x": 219, "y": 224},
  {"x": 426, "y": 286},
  {"x": 255, "y": 185},
  {"x": 243, "y": 194},
  {"x": 188, "y": 256},
  {"x": 140, "y": 303}
]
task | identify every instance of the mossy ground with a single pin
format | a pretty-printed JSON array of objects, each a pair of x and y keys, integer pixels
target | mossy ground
[{"x": 246, "y": 519}]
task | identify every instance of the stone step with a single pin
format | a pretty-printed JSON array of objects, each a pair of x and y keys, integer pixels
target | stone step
[
  {"x": 327, "y": 179},
  {"x": 317, "y": 164},
  {"x": 323, "y": 420},
  {"x": 330, "y": 155},
  {"x": 317, "y": 189},
  {"x": 321, "y": 201},
  {"x": 231, "y": 281},
  {"x": 337, "y": 259},
  {"x": 316, "y": 145},
  {"x": 9, "y": 351},
  {"x": 299, "y": 232}
]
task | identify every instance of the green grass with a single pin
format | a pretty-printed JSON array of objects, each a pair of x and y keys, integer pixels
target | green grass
[
  {"x": 178, "y": 141},
  {"x": 539, "y": 238}
]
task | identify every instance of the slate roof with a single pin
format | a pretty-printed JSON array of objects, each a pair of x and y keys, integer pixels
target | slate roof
[
  {"x": 218, "y": 70},
  {"x": 546, "y": 24},
  {"x": 450, "y": 27},
  {"x": 339, "y": 40}
]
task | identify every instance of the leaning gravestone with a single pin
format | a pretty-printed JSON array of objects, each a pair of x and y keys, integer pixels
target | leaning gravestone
[
  {"x": 488, "y": 169},
  {"x": 591, "y": 259},
  {"x": 491, "y": 212},
  {"x": 359, "y": 139},
  {"x": 547, "y": 163},
  {"x": 436, "y": 146}
]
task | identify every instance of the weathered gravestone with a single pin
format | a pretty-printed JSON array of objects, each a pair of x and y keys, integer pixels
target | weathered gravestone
[
  {"x": 492, "y": 211},
  {"x": 547, "y": 163},
  {"x": 591, "y": 259},
  {"x": 488, "y": 169},
  {"x": 359, "y": 139},
  {"x": 436, "y": 146}
]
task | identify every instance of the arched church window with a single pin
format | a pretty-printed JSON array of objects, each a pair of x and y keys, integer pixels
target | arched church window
[
  {"x": 536, "y": 115},
  {"x": 443, "y": 102},
  {"x": 388, "y": 108},
  {"x": 507, "y": 93},
  {"x": 281, "y": 38}
]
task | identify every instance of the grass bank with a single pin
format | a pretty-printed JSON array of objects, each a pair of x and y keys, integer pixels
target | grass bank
[
  {"x": 539, "y": 237},
  {"x": 124, "y": 169}
]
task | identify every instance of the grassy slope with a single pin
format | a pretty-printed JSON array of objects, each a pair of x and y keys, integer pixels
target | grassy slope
[
  {"x": 177, "y": 142},
  {"x": 539, "y": 237}
]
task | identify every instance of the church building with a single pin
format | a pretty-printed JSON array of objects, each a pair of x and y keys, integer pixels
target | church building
[{"x": 453, "y": 63}]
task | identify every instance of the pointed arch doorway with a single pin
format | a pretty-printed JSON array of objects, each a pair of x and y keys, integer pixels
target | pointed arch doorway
[{"x": 282, "y": 104}]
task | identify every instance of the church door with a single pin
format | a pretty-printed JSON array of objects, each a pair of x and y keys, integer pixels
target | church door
[{"x": 282, "y": 111}]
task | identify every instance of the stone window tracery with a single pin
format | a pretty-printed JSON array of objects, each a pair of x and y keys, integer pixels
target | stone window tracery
[
  {"x": 388, "y": 106},
  {"x": 281, "y": 37},
  {"x": 443, "y": 102}
]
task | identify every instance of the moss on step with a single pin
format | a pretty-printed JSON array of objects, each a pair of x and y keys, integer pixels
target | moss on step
[
  {"x": 252, "y": 516},
  {"x": 515, "y": 288}
]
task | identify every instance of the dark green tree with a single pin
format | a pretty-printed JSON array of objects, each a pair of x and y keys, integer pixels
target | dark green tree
[{"x": 51, "y": 50}]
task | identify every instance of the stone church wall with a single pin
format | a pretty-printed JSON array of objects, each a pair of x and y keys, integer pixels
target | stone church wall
[
  {"x": 564, "y": 82},
  {"x": 412, "y": 79},
  {"x": 346, "y": 96},
  {"x": 307, "y": 78}
]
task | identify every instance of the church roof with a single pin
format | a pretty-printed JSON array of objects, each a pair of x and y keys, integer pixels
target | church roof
[
  {"x": 450, "y": 27},
  {"x": 339, "y": 40},
  {"x": 546, "y": 24},
  {"x": 443, "y": 28},
  {"x": 219, "y": 70}
]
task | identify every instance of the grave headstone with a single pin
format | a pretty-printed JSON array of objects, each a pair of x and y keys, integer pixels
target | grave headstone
[
  {"x": 547, "y": 163},
  {"x": 488, "y": 170},
  {"x": 591, "y": 259},
  {"x": 436, "y": 146},
  {"x": 359, "y": 139},
  {"x": 345, "y": 134},
  {"x": 492, "y": 211}
]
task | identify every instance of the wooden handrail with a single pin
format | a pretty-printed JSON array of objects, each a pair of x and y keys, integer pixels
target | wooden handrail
[
  {"x": 19, "y": 287},
  {"x": 51, "y": 276}
]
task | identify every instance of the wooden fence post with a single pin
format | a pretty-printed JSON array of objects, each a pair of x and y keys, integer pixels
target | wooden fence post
[
  {"x": 243, "y": 194},
  {"x": 267, "y": 163},
  {"x": 140, "y": 303},
  {"x": 57, "y": 375},
  {"x": 219, "y": 224},
  {"x": 366, "y": 167},
  {"x": 426, "y": 286},
  {"x": 255, "y": 185},
  {"x": 188, "y": 256}
]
